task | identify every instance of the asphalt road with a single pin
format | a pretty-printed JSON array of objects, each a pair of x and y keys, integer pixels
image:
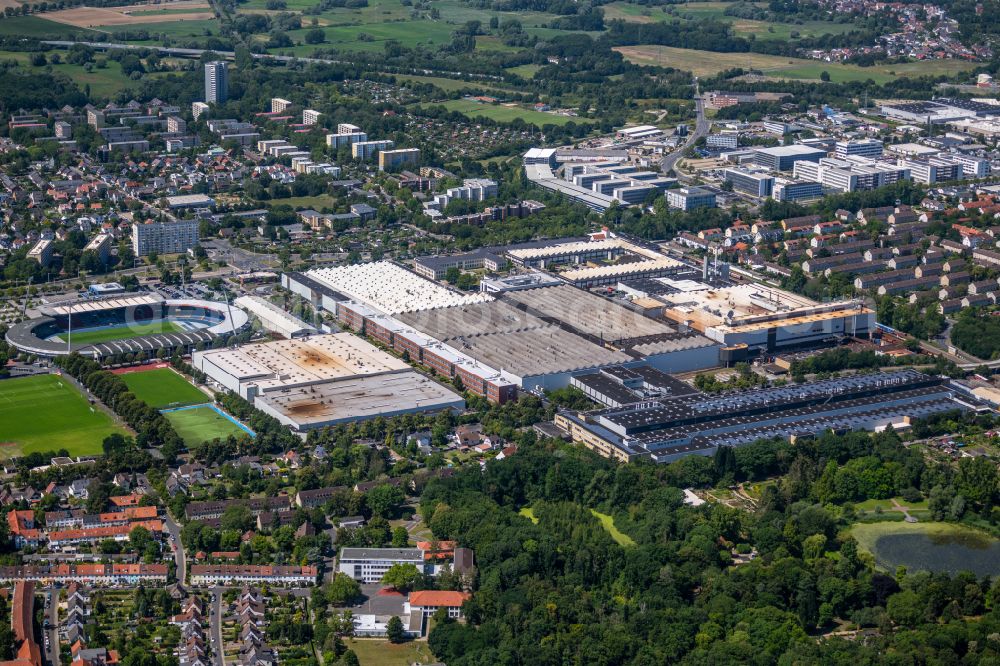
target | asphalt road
[
  {"x": 701, "y": 128},
  {"x": 52, "y": 653},
  {"x": 218, "y": 654},
  {"x": 179, "y": 558}
]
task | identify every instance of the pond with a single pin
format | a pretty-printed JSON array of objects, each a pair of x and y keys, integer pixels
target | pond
[{"x": 938, "y": 550}]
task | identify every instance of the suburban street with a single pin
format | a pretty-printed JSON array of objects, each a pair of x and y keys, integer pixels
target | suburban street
[
  {"x": 216, "y": 630},
  {"x": 178, "y": 548},
  {"x": 52, "y": 632},
  {"x": 701, "y": 128}
]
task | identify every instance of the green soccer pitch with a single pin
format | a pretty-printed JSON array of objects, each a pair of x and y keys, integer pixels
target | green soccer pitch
[
  {"x": 47, "y": 413},
  {"x": 202, "y": 424},
  {"x": 99, "y": 335},
  {"x": 163, "y": 388}
]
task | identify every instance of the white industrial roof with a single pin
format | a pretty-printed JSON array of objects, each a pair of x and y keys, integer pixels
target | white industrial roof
[
  {"x": 271, "y": 313},
  {"x": 391, "y": 288},
  {"x": 619, "y": 269},
  {"x": 565, "y": 248},
  {"x": 287, "y": 363}
]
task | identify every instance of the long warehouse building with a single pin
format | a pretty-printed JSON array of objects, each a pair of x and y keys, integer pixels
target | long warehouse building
[{"x": 670, "y": 428}]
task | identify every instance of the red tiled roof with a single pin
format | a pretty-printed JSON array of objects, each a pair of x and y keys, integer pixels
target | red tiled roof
[{"x": 437, "y": 598}]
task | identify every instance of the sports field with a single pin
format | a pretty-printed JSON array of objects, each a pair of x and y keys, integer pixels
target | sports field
[
  {"x": 163, "y": 388},
  {"x": 47, "y": 413},
  {"x": 202, "y": 424},
  {"x": 709, "y": 63},
  {"x": 95, "y": 336}
]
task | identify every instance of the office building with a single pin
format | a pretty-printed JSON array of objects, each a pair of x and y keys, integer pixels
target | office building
[
  {"x": 972, "y": 167},
  {"x": 934, "y": 169},
  {"x": 689, "y": 198},
  {"x": 796, "y": 190},
  {"x": 216, "y": 82},
  {"x": 754, "y": 183},
  {"x": 865, "y": 148},
  {"x": 164, "y": 237},
  {"x": 724, "y": 140},
  {"x": 390, "y": 160},
  {"x": 783, "y": 158}
]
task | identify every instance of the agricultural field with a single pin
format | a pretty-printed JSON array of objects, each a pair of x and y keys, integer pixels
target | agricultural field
[
  {"x": 505, "y": 114},
  {"x": 709, "y": 63},
  {"x": 103, "y": 82},
  {"x": 201, "y": 424},
  {"x": 99, "y": 17},
  {"x": 95, "y": 336},
  {"x": 35, "y": 26},
  {"x": 162, "y": 388},
  {"x": 64, "y": 418}
]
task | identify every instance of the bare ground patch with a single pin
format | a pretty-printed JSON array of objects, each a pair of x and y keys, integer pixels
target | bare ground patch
[{"x": 90, "y": 17}]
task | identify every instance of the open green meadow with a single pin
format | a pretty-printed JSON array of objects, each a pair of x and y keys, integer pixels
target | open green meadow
[
  {"x": 608, "y": 523},
  {"x": 197, "y": 28},
  {"x": 202, "y": 424},
  {"x": 373, "y": 652},
  {"x": 505, "y": 114},
  {"x": 103, "y": 82},
  {"x": 47, "y": 413},
  {"x": 709, "y": 63},
  {"x": 162, "y": 388},
  {"x": 121, "y": 332}
]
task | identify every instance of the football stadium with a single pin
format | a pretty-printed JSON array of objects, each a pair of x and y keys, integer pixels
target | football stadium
[{"x": 128, "y": 323}]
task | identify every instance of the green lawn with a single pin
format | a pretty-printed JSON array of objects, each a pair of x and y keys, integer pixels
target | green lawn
[
  {"x": 608, "y": 523},
  {"x": 33, "y": 26},
  {"x": 369, "y": 37},
  {"x": 163, "y": 388},
  {"x": 448, "y": 85},
  {"x": 506, "y": 114},
  {"x": 121, "y": 332},
  {"x": 384, "y": 653},
  {"x": 103, "y": 82},
  {"x": 46, "y": 413},
  {"x": 524, "y": 71},
  {"x": 316, "y": 203},
  {"x": 202, "y": 424}
]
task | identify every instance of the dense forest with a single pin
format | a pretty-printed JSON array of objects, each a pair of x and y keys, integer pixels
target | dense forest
[{"x": 554, "y": 587}]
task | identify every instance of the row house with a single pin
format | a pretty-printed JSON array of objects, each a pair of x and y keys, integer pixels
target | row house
[
  {"x": 106, "y": 574},
  {"x": 227, "y": 574}
]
